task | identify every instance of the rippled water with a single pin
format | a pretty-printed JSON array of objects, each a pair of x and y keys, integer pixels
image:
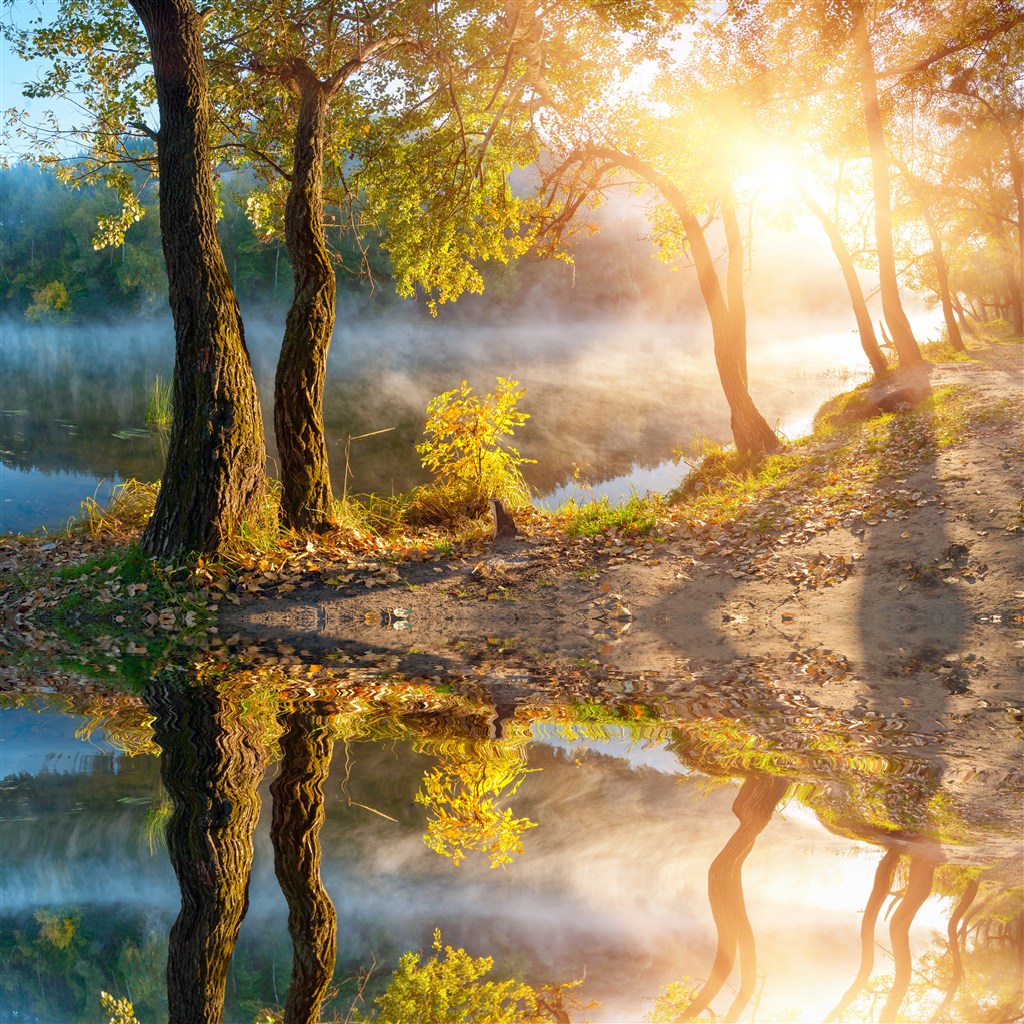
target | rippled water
[{"x": 637, "y": 844}]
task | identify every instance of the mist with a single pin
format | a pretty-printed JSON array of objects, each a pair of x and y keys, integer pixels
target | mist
[{"x": 615, "y": 353}]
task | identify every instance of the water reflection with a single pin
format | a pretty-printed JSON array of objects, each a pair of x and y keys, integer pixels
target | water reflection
[
  {"x": 626, "y": 808},
  {"x": 212, "y": 760}
]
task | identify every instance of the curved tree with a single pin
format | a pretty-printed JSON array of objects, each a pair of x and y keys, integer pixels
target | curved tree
[{"x": 590, "y": 169}]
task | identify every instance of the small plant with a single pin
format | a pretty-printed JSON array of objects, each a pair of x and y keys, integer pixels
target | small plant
[
  {"x": 636, "y": 515},
  {"x": 126, "y": 514},
  {"x": 121, "y": 1010},
  {"x": 465, "y": 448},
  {"x": 158, "y": 403}
]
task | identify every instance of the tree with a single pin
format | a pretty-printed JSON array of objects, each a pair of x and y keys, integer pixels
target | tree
[
  {"x": 214, "y": 475},
  {"x": 587, "y": 171},
  {"x": 216, "y": 461},
  {"x": 298, "y": 815}
]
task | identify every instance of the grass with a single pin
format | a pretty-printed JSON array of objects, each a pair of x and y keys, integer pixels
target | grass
[
  {"x": 637, "y": 515},
  {"x": 158, "y": 403},
  {"x": 126, "y": 513}
]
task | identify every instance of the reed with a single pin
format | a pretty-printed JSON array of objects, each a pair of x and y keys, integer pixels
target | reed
[{"x": 158, "y": 403}]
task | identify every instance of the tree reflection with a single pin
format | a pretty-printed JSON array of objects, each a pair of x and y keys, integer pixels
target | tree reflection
[
  {"x": 298, "y": 814},
  {"x": 880, "y": 889},
  {"x": 754, "y": 806},
  {"x": 212, "y": 763}
]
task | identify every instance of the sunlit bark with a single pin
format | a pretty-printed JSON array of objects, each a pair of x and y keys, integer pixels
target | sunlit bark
[
  {"x": 211, "y": 765},
  {"x": 216, "y": 461},
  {"x": 298, "y": 815},
  {"x": 879, "y": 891},
  {"x": 948, "y": 314},
  {"x": 306, "y": 500},
  {"x": 919, "y": 887},
  {"x": 868, "y": 341},
  {"x": 954, "y": 938},
  {"x": 899, "y": 326}
]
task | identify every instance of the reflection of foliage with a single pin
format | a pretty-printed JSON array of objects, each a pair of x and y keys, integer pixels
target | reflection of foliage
[
  {"x": 449, "y": 990},
  {"x": 461, "y": 792},
  {"x": 672, "y": 1002},
  {"x": 121, "y": 1010}
]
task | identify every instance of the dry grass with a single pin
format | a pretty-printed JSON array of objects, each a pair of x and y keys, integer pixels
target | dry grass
[{"x": 126, "y": 514}]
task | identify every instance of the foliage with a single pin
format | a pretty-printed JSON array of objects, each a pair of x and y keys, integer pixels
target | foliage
[
  {"x": 465, "y": 446},
  {"x": 448, "y": 989},
  {"x": 671, "y": 1003},
  {"x": 121, "y": 1010},
  {"x": 50, "y": 302},
  {"x": 461, "y": 795}
]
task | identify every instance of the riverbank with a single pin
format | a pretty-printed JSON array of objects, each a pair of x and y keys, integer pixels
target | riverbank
[{"x": 869, "y": 577}]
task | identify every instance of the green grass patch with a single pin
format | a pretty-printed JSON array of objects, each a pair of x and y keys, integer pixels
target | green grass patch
[
  {"x": 158, "y": 403},
  {"x": 637, "y": 515}
]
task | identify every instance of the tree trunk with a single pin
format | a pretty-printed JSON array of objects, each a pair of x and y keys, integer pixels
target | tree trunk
[
  {"x": 965, "y": 327},
  {"x": 879, "y": 891},
  {"x": 298, "y": 815},
  {"x": 306, "y": 503},
  {"x": 216, "y": 462},
  {"x": 1014, "y": 310},
  {"x": 903, "y": 337},
  {"x": 211, "y": 764},
  {"x": 953, "y": 940},
  {"x": 754, "y": 805},
  {"x": 1017, "y": 177},
  {"x": 948, "y": 314},
  {"x": 919, "y": 887},
  {"x": 868, "y": 341},
  {"x": 734, "y": 283},
  {"x": 750, "y": 431}
]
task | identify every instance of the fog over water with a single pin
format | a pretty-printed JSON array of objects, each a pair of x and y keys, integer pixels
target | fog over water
[{"x": 613, "y": 396}]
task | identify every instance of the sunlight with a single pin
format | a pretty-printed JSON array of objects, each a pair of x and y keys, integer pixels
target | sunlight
[{"x": 774, "y": 176}]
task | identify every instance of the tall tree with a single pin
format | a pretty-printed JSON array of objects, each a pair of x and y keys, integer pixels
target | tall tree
[
  {"x": 216, "y": 461},
  {"x": 892, "y": 305}
]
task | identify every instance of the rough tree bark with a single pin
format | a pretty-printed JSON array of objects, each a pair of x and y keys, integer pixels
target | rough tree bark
[
  {"x": 211, "y": 764},
  {"x": 216, "y": 461},
  {"x": 306, "y": 502},
  {"x": 868, "y": 341},
  {"x": 298, "y": 815},
  {"x": 902, "y": 335}
]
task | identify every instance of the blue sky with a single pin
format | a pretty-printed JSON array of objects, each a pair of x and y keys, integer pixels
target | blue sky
[{"x": 15, "y": 73}]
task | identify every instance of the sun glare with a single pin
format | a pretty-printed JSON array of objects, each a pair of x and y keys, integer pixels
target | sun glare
[{"x": 773, "y": 176}]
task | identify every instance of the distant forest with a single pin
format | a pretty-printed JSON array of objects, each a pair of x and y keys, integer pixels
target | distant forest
[{"x": 50, "y": 270}]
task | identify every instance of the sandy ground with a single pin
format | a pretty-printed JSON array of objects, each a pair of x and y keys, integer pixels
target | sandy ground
[{"x": 912, "y": 618}]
